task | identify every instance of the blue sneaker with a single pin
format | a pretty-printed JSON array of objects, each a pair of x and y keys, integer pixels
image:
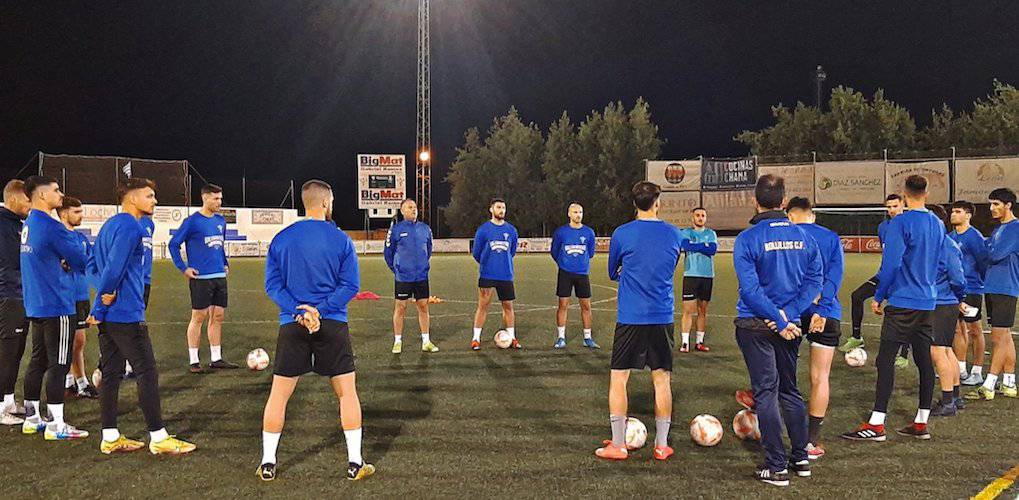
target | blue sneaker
[
  {"x": 589, "y": 343},
  {"x": 560, "y": 343}
]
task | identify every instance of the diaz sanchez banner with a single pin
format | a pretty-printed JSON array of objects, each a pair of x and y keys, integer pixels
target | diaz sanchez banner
[{"x": 728, "y": 174}]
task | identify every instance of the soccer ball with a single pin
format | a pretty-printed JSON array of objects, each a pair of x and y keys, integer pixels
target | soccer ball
[
  {"x": 97, "y": 378},
  {"x": 705, "y": 430},
  {"x": 258, "y": 359},
  {"x": 636, "y": 434},
  {"x": 744, "y": 425},
  {"x": 503, "y": 339},
  {"x": 856, "y": 357}
]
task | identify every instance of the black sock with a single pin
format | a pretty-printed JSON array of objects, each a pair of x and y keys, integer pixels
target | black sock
[
  {"x": 947, "y": 398},
  {"x": 955, "y": 392},
  {"x": 857, "y": 333},
  {"x": 814, "y": 428}
]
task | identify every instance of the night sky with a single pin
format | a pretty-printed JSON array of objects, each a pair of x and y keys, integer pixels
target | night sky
[{"x": 293, "y": 89}]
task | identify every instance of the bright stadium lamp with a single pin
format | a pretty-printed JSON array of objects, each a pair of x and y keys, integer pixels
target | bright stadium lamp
[{"x": 424, "y": 155}]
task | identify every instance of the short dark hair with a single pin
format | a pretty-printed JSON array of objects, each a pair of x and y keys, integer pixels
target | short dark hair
[
  {"x": 893, "y": 196},
  {"x": 699, "y": 208},
  {"x": 644, "y": 194},
  {"x": 1004, "y": 195},
  {"x": 315, "y": 183},
  {"x": 965, "y": 205},
  {"x": 496, "y": 200},
  {"x": 132, "y": 184},
  {"x": 211, "y": 188},
  {"x": 938, "y": 212},
  {"x": 770, "y": 191},
  {"x": 69, "y": 202},
  {"x": 35, "y": 182},
  {"x": 799, "y": 203},
  {"x": 916, "y": 185}
]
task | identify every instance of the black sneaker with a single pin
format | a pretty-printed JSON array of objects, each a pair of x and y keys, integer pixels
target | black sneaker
[
  {"x": 801, "y": 468},
  {"x": 916, "y": 430},
  {"x": 222, "y": 364},
  {"x": 943, "y": 410},
  {"x": 765, "y": 475},
  {"x": 960, "y": 403},
  {"x": 196, "y": 368},
  {"x": 266, "y": 472},
  {"x": 356, "y": 472},
  {"x": 88, "y": 392},
  {"x": 866, "y": 432}
]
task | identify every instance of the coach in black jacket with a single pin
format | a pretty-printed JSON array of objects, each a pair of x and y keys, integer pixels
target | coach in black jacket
[{"x": 13, "y": 324}]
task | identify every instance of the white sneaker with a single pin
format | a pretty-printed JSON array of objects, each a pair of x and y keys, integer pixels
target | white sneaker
[
  {"x": 973, "y": 379},
  {"x": 7, "y": 419}
]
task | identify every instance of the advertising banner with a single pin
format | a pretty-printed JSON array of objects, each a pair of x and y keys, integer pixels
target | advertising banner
[
  {"x": 936, "y": 173},
  {"x": 728, "y": 174},
  {"x": 676, "y": 207},
  {"x": 682, "y": 175},
  {"x": 169, "y": 215},
  {"x": 381, "y": 181},
  {"x": 799, "y": 179},
  {"x": 975, "y": 179},
  {"x": 849, "y": 183},
  {"x": 262, "y": 216},
  {"x": 729, "y": 209}
]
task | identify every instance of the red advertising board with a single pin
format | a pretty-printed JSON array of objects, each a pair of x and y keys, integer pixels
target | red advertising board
[{"x": 861, "y": 244}]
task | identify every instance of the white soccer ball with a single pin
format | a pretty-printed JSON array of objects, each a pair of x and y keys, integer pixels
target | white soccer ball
[
  {"x": 745, "y": 425},
  {"x": 97, "y": 378},
  {"x": 636, "y": 434},
  {"x": 503, "y": 339},
  {"x": 856, "y": 357},
  {"x": 258, "y": 359},
  {"x": 705, "y": 430}
]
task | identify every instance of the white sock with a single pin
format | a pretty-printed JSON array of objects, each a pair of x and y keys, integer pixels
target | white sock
[
  {"x": 127, "y": 367},
  {"x": 396, "y": 339},
  {"x": 990, "y": 381},
  {"x": 511, "y": 333},
  {"x": 353, "y": 445},
  {"x": 561, "y": 330},
  {"x": 976, "y": 370},
  {"x": 34, "y": 412},
  {"x": 270, "y": 441},
  {"x": 69, "y": 380},
  {"x": 82, "y": 383},
  {"x": 587, "y": 333},
  {"x": 193, "y": 355},
  {"x": 921, "y": 416},
  {"x": 157, "y": 436},
  {"x": 877, "y": 418},
  {"x": 700, "y": 337},
  {"x": 8, "y": 402},
  {"x": 962, "y": 367},
  {"x": 1008, "y": 379},
  {"x": 57, "y": 411},
  {"x": 217, "y": 352},
  {"x": 686, "y": 338},
  {"x": 425, "y": 338},
  {"x": 477, "y": 334},
  {"x": 111, "y": 435}
]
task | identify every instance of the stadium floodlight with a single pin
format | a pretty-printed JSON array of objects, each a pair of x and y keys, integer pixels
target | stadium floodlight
[{"x": 424, "y": 156}]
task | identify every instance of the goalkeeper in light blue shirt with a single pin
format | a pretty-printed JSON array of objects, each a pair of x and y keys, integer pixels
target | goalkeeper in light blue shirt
[{"x": 698, "y": 277}]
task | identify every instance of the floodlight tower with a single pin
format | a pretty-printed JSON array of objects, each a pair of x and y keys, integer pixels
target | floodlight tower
[{"x": 423, "y": 150}]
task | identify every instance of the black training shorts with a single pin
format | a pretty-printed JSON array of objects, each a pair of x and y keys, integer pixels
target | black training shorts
[
  {"x": 697, "y": 288},
  {"x": 1000, "y": 310},
  {"x": 636, "y": 347},
  {"x": 568, "y": 283},
  {"x": 403, "y": 290},
  {"x": 208, "y": 292},
  {"x": 944, "y": 319},
  {"x": 504, "y": 289},
  {"x": 327, "y": 352}
]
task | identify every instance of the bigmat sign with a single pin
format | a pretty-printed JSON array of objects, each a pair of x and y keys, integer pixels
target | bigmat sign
[{"x": 381, "y": 181}]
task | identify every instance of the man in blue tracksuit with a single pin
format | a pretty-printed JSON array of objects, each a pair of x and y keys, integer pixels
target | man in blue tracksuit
[
  {"x": 407, "y": 253},
  {"x": 1001, "y": 289},
  {"x": 311, "y": 273},
  {"x": 951, "y": 291},
  {"x": 974, "y": 264},
  {"x": 204, "y": 235},
  {"x": 698, "y": 278},
  {"x": 643, "y": 254},
  {"x": 13, "y": 323},
  {"x": 573, "y": 246},
  {"x": 779, "y": 269},
  {"x": 907, "y": 280},
  {"x": 119, "y": 311},
  {"x": 70, "y": 214},
  {"x": 495, "y": 245},
  {"x": 48, "y": 253}
]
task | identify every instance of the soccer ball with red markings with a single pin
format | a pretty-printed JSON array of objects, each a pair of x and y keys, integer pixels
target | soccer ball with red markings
[
  {"x": 745, "y": 426},
  {"x": 856, "y": 357},
  {"x": 705, "y": 430},
  {"x": 258, "y": 359},
  {"x": 503, "y": 339},
  {"x": 636, "y": 434}
]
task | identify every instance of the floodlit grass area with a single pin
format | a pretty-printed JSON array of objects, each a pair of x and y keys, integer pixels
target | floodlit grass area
[{"x": 492, "y": 423}]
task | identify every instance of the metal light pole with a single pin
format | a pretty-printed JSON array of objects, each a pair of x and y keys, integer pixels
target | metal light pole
[
  {"x": 423, "y": 143},
  {"x": 819, "y": 78}
]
